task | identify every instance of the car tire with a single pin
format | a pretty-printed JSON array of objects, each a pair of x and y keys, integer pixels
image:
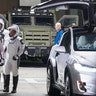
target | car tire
[
  {"x": 51, "y": 90},
  {"x": 68, "y": 86}
]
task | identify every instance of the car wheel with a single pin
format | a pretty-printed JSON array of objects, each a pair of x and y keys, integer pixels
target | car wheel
[
  {"x": 68, "y": 86},
  {"x": 51, "y": 90}
]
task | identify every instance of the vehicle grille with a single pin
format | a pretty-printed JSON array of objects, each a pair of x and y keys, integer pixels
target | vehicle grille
[{"x": 34, "y": 37}]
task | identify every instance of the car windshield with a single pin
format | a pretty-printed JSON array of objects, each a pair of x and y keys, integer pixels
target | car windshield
[{"x": 85, "y": 42}]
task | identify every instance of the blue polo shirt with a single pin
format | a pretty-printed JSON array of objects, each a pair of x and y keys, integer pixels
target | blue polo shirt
[{"x": 58, "y": 36}]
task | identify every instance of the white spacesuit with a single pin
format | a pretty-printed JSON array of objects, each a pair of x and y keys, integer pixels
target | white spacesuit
[
  {"x": 14, "y": 47},
  {"x": 4, "y": 34}
]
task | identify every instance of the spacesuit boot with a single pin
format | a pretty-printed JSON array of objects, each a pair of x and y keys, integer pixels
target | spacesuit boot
[
  {"x": 15, "y": 82},
  {"x": 6, "y": 83}
]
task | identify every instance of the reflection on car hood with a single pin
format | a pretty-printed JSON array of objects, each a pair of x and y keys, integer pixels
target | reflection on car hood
[{"x": 86, "y": 58}]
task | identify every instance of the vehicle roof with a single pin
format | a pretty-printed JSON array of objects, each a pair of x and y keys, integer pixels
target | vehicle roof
[
  {"x": 75, "y": 4},
  {"x": 80, "y": 30},
  {"x": 54, "y": 3}
]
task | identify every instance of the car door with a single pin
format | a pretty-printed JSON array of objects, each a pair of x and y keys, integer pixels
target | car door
[{"x": 62, "y": 57}]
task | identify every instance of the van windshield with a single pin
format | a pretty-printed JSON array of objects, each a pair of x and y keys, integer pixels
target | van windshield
[{"x": 85, "y": 42}]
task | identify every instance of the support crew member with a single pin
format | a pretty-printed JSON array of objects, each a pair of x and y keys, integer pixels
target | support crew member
[{"x": 59, "y": 33}]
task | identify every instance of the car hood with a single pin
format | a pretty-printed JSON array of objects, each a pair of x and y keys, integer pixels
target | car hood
[{"x": 86, "y": 58}]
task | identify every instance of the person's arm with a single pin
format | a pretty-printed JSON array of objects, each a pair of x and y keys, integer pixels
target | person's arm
[
  {"x": 21, "y": 48},
  {"x": 58, "y": 36}
]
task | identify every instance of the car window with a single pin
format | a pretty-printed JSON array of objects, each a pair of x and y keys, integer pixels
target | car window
[
  {"x": 85, "y": 41},
  {"x": 66, "y": 41},
  {"x": 44, "y": 20}
]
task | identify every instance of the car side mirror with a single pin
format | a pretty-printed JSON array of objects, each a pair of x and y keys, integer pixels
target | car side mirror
[{"x": 60, "y": 49}]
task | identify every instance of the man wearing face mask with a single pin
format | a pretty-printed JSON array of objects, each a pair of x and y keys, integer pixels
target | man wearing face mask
[
  {"x": 14, "y": 48},
  {"x": 4, "y": 33}
]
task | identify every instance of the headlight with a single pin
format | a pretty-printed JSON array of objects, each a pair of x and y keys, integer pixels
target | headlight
[{"x": 85, "y": 68}]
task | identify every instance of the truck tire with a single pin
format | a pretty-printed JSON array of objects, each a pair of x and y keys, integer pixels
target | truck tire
[{"x": 51, "y": 90}]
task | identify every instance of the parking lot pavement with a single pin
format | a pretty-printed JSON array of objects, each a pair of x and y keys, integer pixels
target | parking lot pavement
[{"x": 32, "y": 82}]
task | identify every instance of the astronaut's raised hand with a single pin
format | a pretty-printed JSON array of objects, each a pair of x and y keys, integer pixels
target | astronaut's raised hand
[{"x": 16, "y": 57}]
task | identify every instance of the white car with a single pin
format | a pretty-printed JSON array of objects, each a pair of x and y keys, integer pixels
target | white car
[{"x": 73, "y": 68}]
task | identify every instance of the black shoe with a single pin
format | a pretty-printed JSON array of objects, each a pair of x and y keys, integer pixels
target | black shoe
[
  {"x": 6, "y": 90},
  {"x": 15, "y": 82},
  {"x": 13, "y": 91},
  {"x": 6, "y": 83}
]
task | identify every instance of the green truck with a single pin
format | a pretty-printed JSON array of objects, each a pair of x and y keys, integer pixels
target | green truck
[{"x": 36, "y": 30}]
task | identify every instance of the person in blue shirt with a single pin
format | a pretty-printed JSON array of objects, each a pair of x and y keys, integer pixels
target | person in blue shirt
[{"x": 59, "y": 33}]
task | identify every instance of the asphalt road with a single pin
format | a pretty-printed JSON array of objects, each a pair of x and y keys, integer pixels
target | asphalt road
[{"x": 32, "y": 82}]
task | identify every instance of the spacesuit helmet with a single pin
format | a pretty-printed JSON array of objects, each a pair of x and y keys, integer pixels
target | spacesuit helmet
[
  {"x": 16, "y": 29},
  {"x": 2, "y": 23}
]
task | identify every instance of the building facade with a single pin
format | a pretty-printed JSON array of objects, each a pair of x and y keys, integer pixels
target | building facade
[{"x": 7, "y": 5}]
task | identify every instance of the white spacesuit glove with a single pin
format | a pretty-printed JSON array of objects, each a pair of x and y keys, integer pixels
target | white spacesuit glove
[{"x": 16, "y": 57}]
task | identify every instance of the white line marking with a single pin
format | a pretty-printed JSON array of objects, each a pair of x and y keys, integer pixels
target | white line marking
[{"x": 30, "y": 80}]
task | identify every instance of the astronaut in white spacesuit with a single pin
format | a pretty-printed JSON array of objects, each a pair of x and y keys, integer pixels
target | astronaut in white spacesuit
[
  {"x": 14, "y": 48},
  {"x": 4, "y": 34}
]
